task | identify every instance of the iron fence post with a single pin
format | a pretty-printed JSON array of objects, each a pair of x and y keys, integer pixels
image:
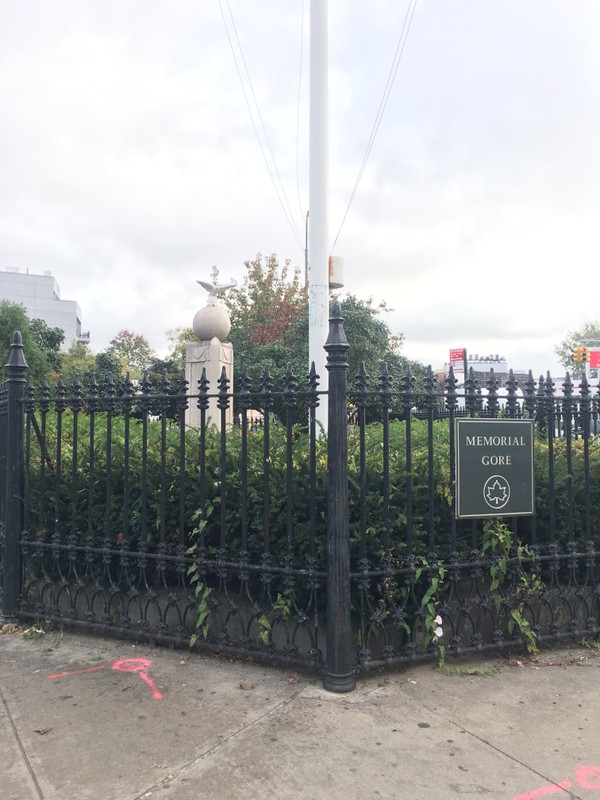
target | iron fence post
[
  {"x": 15, "y": 478},
  {"x": 339, "y": 675}
]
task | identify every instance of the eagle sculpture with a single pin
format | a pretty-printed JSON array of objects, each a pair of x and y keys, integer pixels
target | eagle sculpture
[{"x": 216, "y": 290}]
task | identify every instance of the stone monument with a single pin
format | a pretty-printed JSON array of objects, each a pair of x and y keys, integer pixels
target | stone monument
[{"x": 211, "y": 353}]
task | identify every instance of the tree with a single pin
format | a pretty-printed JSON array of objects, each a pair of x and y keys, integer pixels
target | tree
[
  {"x": 77, "y": 363},
  {"x": 269, "y": 321},
  {"x": 179, "y": 339},
  {"x": 269, "y": 326},
  {"x": 588, "y": 335},
  {"x": 106, "y": 366},
  {"x": 269, "y": 317},
  {"x": 13, "y": 317},
  {"x": 49, "y": 340},
  {"x": 370, "y": 339},
  {"x": 133, "y": 350}
]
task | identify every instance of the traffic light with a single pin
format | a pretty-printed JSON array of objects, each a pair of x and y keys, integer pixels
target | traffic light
[{"x": 581, "y": 354}]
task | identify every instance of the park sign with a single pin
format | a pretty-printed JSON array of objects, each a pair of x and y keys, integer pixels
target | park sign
[{"x": 494, "y": 467}]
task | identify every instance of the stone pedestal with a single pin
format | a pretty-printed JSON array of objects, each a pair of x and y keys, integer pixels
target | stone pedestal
[{"x": 211, "y": 355}]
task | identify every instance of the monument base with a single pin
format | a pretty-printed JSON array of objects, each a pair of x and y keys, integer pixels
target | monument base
[{"x": 212, "y": 356}]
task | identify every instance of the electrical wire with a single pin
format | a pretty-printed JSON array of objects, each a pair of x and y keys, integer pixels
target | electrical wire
[
  {"x": 406, "y": 25},
  {"x": 271, "y": 165},
  {"x": 300, "y": 71}
]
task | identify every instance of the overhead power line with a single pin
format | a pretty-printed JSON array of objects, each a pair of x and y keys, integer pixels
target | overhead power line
[
  {"x": 406, "y": 25},
  {"x": 265, "y": 147},
  {"x": 263, "y": 140},
  {"x": 300, "y": 73}
]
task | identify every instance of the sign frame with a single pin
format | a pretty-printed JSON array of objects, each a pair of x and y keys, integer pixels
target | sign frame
[{"x": 502, "y": 458}]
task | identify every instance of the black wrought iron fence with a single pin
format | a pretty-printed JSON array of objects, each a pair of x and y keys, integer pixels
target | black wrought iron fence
[
  {"x": 490, "y": 584},
  {"x": 333, "y": 550}
]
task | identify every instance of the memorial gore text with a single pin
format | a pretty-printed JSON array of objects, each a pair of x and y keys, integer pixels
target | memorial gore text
[{"x": 494, "y": 467}]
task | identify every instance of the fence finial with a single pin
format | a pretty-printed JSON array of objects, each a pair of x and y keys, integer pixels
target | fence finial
[
  {"x": 16, "y": 357},
  {"x": 336, "y": 344}
]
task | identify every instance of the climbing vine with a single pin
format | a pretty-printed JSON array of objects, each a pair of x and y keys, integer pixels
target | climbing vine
[
  {"x": 282, "y": 609},
  {"x": 507, "y": 556},
  {"x": 202, "y": 592},
  {"x": 430, "y": 602}
]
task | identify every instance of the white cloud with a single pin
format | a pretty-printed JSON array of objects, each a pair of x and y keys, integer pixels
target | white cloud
[{"x": 130, "y": 164}]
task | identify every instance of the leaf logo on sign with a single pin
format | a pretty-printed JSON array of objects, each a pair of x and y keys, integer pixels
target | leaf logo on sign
[{"x": 496, "y": 491}]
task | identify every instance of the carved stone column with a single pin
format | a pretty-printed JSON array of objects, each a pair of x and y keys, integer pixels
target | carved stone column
[{"x": 212, "y": 358}]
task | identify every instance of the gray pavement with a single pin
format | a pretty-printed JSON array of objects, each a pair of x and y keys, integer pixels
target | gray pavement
[{"x": 87, "y": 718}]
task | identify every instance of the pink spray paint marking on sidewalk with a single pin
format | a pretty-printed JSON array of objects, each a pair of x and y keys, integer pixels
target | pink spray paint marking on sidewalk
[
  {"x": 544, "y": 791},
  {"x": 139, "y": 665},
  {"x": 586, "y": 778}
]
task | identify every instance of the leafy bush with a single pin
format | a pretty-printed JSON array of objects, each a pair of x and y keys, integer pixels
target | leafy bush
[{"x": 160, "y": 476}]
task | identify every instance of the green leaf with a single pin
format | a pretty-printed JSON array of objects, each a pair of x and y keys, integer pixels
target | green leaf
[{"x": 264, "y": 623}]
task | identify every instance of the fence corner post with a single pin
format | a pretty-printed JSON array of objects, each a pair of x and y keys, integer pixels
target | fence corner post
[
  {"x": 339, "y": 675},
  {"x": 15, "y": 479}
]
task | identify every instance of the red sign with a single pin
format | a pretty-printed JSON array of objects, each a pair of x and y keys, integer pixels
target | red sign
[
  {"x": 457, "y": 357},
  {"x": 594, "y": 359}
]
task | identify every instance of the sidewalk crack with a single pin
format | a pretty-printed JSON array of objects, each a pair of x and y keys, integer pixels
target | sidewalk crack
[
  {"x": 21, "y": 747},
  {"x": 175, "y": 773},
  {"x": 499, "y": 750}
]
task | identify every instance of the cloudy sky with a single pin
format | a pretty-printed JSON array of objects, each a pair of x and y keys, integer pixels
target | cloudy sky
[{"x": 130, "y": 163}]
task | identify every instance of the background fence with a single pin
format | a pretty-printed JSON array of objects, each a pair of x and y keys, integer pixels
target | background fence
[{"x": 276, "y": 540}]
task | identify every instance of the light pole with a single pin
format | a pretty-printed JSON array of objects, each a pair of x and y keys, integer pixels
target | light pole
[{"x": 318, "y": 247}]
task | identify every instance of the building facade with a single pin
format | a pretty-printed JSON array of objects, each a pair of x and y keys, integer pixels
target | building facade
[{"x": 40, "y": 296}]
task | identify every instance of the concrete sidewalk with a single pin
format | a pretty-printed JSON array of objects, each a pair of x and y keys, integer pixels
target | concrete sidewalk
[{"x": 84, "y": 718}]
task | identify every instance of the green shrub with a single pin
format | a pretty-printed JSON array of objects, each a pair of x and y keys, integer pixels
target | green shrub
[{"x": 90, "y": 503}]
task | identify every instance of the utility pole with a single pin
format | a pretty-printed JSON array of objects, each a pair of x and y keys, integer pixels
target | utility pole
[
  {"x": 318, "y": 260},
  {"x": 306, "y": 251}
]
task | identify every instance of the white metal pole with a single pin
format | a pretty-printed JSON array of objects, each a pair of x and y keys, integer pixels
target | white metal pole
[{"x": 318, "y": 249}]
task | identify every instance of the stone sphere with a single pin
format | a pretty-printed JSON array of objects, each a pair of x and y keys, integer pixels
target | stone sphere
[{"x": 211, "y": 321}]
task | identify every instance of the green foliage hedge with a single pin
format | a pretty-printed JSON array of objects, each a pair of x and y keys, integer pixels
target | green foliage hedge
[{"x": 83, "y": 507}]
